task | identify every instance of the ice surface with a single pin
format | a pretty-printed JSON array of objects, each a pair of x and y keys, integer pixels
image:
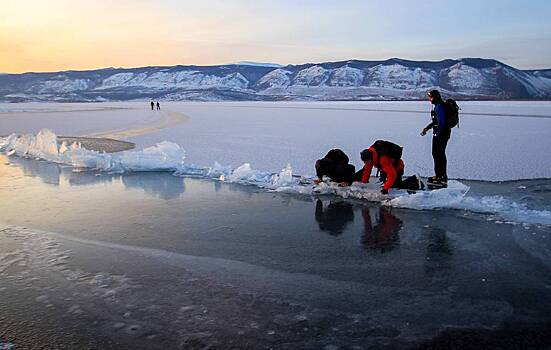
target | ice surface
[
  {"x": 251, "y": 143},
  {"x": 491, "y": 143},
  {"x": 454, "y": 198},
  {"x": 496, "y": 141},
  {"x": 167, "y": 156},
  {"x": 164, "y": 156}
]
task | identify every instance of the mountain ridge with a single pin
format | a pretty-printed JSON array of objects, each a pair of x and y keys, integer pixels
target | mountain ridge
[{"x": 391, "y": 79}]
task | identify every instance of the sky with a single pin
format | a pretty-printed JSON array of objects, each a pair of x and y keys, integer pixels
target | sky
[{"x": 54, "y": 35}]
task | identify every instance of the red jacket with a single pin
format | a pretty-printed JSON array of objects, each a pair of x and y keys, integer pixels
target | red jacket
[{"x": 386, "y": 165}]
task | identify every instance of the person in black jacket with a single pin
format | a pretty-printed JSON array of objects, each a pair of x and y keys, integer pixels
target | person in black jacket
[{"x": 335, "y": 166}]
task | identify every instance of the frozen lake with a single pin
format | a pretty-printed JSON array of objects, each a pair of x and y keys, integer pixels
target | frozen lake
[
  {"x": 495, "y": 141},
  {"x": 158, "y": 260},
  {"x": 155, "y": 261}
]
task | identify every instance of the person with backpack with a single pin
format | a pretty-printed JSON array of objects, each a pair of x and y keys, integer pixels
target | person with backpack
[
  {"x": 385, "y": 156},
  {"x": 444, "y": 116},
  {"x": 335, "y": 166}
]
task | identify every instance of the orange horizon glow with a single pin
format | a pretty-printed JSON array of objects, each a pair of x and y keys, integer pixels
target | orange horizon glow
[
  {"x": 60, "y": 35},
  {"x": 73, "y": 35}
]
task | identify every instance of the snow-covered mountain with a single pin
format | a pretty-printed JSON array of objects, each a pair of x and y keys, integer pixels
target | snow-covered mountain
[{"x": 467, "y": 78}]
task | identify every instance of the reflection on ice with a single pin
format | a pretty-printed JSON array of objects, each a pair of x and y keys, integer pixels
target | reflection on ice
[
  {"x": 161, "y": 185},
  {"x": 334, "y": 217},
  {"x": 381, "y": 229},
  {"x": 49, "y": 173},
  {"x": 164, "y": 186},
  {"x": 439, "y": 251}
]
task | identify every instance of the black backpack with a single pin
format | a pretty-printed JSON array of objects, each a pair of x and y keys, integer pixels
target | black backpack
[
  {"x": 451, "y": 110},
  {"x": 387, "y": 148}
]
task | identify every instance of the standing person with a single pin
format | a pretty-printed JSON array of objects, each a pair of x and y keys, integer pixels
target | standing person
[
  {"x": 440, "y": 135},
  {"x": 158, "y": 106},
  {"x": 152, "y": 105}
]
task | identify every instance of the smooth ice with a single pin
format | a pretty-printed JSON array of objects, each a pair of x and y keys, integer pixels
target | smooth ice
[
  {"x": 157, "y": 261},
  {"x": 496, "y": 140}
]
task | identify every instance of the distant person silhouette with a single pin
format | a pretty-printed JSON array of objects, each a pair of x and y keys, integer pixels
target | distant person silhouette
[
  {"x": 335, "y": 217},
  {"x": 152, "y": 105},
  {"x": 384, "y": 235},
  {"x": 158, "y": 106}
]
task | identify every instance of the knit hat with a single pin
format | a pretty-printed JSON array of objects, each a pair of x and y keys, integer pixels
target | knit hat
[{"x": 366, "y": 155}]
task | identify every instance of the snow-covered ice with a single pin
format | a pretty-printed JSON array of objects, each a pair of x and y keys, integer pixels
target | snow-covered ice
[
  {"x": 496, "y": 141},
  {"x": 274, "y": 145}
]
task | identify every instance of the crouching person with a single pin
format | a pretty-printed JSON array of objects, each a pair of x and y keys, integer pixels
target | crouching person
[
  {"x": 335, "y": 166},
  {"x": 385, "y": 156}
]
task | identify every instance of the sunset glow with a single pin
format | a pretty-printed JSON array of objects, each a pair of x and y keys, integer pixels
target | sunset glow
[{"x": 63, "y": 34}]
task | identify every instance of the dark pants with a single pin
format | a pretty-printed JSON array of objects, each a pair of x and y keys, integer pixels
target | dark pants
[
  {"x": 439, "y": 144},
  {"x": 382, "y": 177}
]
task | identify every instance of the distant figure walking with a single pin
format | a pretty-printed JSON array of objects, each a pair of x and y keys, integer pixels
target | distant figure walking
[
  {"x": 152, "y": 105},
  {"x": 158, "y": 106}
]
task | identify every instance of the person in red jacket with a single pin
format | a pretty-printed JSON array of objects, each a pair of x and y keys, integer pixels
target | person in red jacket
[{"x": 391, "y": 169}]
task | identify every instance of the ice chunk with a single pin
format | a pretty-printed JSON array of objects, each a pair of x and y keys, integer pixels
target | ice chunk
[
  {"x": 449, "y": 197},
  {"x": 165, "y": 156},
  {"x": 284, "y": 178}
]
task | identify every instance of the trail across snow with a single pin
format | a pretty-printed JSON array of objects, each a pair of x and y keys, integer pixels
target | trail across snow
[{"x": 168, "y": 119}]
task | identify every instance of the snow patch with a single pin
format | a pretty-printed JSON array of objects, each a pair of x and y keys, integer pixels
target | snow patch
[
  {"x": 400, "y": 77},
  {"x": 275, "y": 78},
  {"x": 312, "y": 76},
  {"x": 62, "y": 85},
  {"x": 182, "y": 79},
  {"x": 346, "y": 76},
  {"x": 465, "y": 77}
]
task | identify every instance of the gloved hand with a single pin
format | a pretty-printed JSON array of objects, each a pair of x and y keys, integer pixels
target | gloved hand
[{"x": 384, "y": 191}]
